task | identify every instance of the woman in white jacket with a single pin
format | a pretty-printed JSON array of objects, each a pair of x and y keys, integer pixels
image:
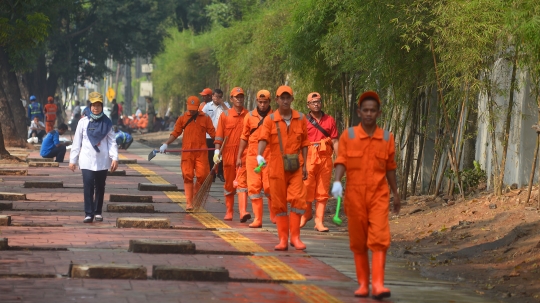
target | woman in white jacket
[{"x": 94, "y": 148}]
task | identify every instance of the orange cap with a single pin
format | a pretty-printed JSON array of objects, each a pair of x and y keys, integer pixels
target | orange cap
[
  {"x": 50, "y": 99},
  {"x": 206, "y": 92},
  {"x": 237, "y": 91},
  {"x": 312, "y": 96},
  {"x": 369, "y": 94},
  {"x": 263, "y": 95},
  {"x": 284, "y": 89},
  {"x": 193, "y": 103}
]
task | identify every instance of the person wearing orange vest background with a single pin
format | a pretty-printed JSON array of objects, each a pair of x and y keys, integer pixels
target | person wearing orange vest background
[
  {"x": 50, "y": 114},
  {"x": 206, "y": 96},
  {"x": 285, "y": 134},
  {"x": 194, "y": 125},
  {"x": 323, "y": 135},
  {"x": 367, "y": 153},
  {"x": 257, "y": 182},
  {"x": 230, "y": 126}
]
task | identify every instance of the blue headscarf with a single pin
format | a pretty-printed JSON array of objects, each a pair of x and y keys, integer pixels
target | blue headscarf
[{"x": 98, "y": 128}]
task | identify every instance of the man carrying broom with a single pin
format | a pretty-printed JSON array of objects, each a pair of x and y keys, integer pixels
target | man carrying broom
[
  {"x": 195, "y": 125},
  {"x": 230, "y": 127}
]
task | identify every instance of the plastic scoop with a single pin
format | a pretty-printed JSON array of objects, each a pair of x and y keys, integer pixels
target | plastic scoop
[
  {"x": 336, "y": 218},
  {"x": 259, "y": 168}
]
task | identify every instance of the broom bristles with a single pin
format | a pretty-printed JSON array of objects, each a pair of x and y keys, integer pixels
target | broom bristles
[{"x": 199, "y": 200}]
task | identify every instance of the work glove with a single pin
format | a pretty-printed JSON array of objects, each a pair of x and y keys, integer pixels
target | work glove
[
  {"x": 260, "y": 160},
  {"x": 337, "y": 189},
  {"x": 163, "y": 148},
  {"x": 217, "y": 158}
]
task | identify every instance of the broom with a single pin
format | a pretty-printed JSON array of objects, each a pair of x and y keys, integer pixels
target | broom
[{"x": 199, "y": 200}]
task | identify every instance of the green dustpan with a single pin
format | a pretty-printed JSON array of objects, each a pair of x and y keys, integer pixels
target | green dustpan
[{"x": 336, "y": 218}]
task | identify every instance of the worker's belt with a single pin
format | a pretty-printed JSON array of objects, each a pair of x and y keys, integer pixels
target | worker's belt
[{"x": 320, "y": 148}]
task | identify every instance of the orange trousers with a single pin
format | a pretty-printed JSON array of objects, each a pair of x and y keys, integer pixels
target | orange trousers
[
  {"x": 49, "y": 125},
  {"x": 257, "y": 182},
  {"x": 230, "y": 174},
  {"x": 319, "y": 175},
  {"x": 288, "y": 189},
  {"x": 367, "y": 211},
  {"x": 195, "y": 164}
]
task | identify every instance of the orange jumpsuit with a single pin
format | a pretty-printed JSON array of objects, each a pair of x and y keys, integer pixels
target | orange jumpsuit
[
  {"x": 194, "y": 164},
  {"x": 257, "y": 183},
  {"x": 319, "y": 160},
  {"x": 367, "y": 196},
  {"x": 285, "y": 187},
  {"x": 143, "y": 122},
  {"x": 50, "y": 116},
  {"x": 230, "y": 126}
]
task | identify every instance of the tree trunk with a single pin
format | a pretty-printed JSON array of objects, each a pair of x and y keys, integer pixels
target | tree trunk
[
  {"x": 11, "y": 136},
  {"x": 128, "y": 94},
  {"x": 3, "y": 150},
  {"x": 469, "y": 146},
  {"x": 12, "y": 93},
  {"x": 507, "y": 124}
]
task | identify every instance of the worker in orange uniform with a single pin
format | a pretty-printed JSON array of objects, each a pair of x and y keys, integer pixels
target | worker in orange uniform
[
  {"x": 50, "y": 114},
  {"x": 194, "y": 125},
  {"x": 285, "y": 133},
  {"x": 323, "y": 135},
  {"x": 230, "y": 126},
  {"x": 206, "y": 96},
  {"x": 257, "y": 183},
  {"x": 367, "y": 153}
]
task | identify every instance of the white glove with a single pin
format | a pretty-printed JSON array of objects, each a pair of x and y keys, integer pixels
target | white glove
[
  {"x": 217, "y": 159},
  {"x": 337, "y": 189},
  {"x": 163, "y": 148},
  {"x": 260, "y": 160}
]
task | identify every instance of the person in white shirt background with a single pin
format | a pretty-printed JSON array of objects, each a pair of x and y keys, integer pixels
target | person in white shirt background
[
  {"x": 213, "y": 110},
  {"x": 95, "y": 149},
  {"x": 37, "y": 130}
]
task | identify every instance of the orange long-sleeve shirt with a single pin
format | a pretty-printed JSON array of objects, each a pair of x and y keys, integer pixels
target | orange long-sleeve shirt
[
  {"x": 251, "y": 121},
  {"x": 195, "y": 132},
  {"x": 230, "y": 126}
]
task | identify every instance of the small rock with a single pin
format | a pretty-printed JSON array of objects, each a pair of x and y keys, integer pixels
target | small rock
[
  {"x": 448, "y": 198},
  {"x": 530, "y": 208},
  {"x": 414, "y": 211},
  {"x": 514, "y": 186},
  {"x": 492, "y": 206},
  {"x": 450, "y": 203}
]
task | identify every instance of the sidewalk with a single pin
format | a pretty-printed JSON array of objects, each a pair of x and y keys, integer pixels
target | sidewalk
[{"x": 47, "y": 234}]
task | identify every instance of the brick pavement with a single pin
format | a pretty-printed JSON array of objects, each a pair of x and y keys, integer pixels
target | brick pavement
[{"x": 52, "y": 219}]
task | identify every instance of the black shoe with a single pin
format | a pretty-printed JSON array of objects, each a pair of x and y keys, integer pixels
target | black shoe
[
  {"x": 221, "y": 178},
  {"x": 88, "y": 219},
  {"x": 214, "y": 180}
]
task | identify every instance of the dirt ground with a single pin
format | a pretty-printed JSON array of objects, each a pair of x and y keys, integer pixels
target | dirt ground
[{"x": 487, "y": 243}]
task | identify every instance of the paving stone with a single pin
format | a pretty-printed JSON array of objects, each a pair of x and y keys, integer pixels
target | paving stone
[
  {"x": 5, "y": 220},
  {"x": 108, "y": 271},
  {"x": 155, "y": 223},
  {"x": 127, "y": 161},
  {"x": 130, "y": 208},
  {"x": 130, "y": 198},
  {"x": 116, "y": 173},
  {"x": 43, "y": 184},
  {"x": 13, "y": 172},
  {"x": 6, "y": 206},
  {"x": 4, "y": 244},
  {"x": 43, "y": 164},
  {"x": 39, "y": 160},
  {"x": 151, "y": 246},
  {"x": 12, "y": 196},
  {"x": 165, "y": 272},
  {"x": 157, "y": 187}
]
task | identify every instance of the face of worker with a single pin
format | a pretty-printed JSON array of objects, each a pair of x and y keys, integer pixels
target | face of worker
[
  {"x": 96, "y": 108},
  {"x": 207, "y": 98},
  {"x": 315, "y": 105},
  {"x": 238, "y": 101},
  {"x": 217, "y": 98},
  {"x": 193, "y": 112},
  {"x": 36, "y": 120},
  {"x": 368, "y": 112},
  {"x": 284, "y": 101},
  {"x": 61, "y": 131},
  {"x": 263, "y": 105}
]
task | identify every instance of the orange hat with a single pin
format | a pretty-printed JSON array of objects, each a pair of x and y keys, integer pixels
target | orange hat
[
  {"x": 284, "y": 89},
  {"x": 193, "y": 103},
  {"x": 206, "y": 92},
  {"x": 263, "y": 95},
  {"x": 369, "y": 94},
  {"x": 50, "y": 99},
  {"x": 237, "y": 91},
  {"x": 312, "y": 96}
]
